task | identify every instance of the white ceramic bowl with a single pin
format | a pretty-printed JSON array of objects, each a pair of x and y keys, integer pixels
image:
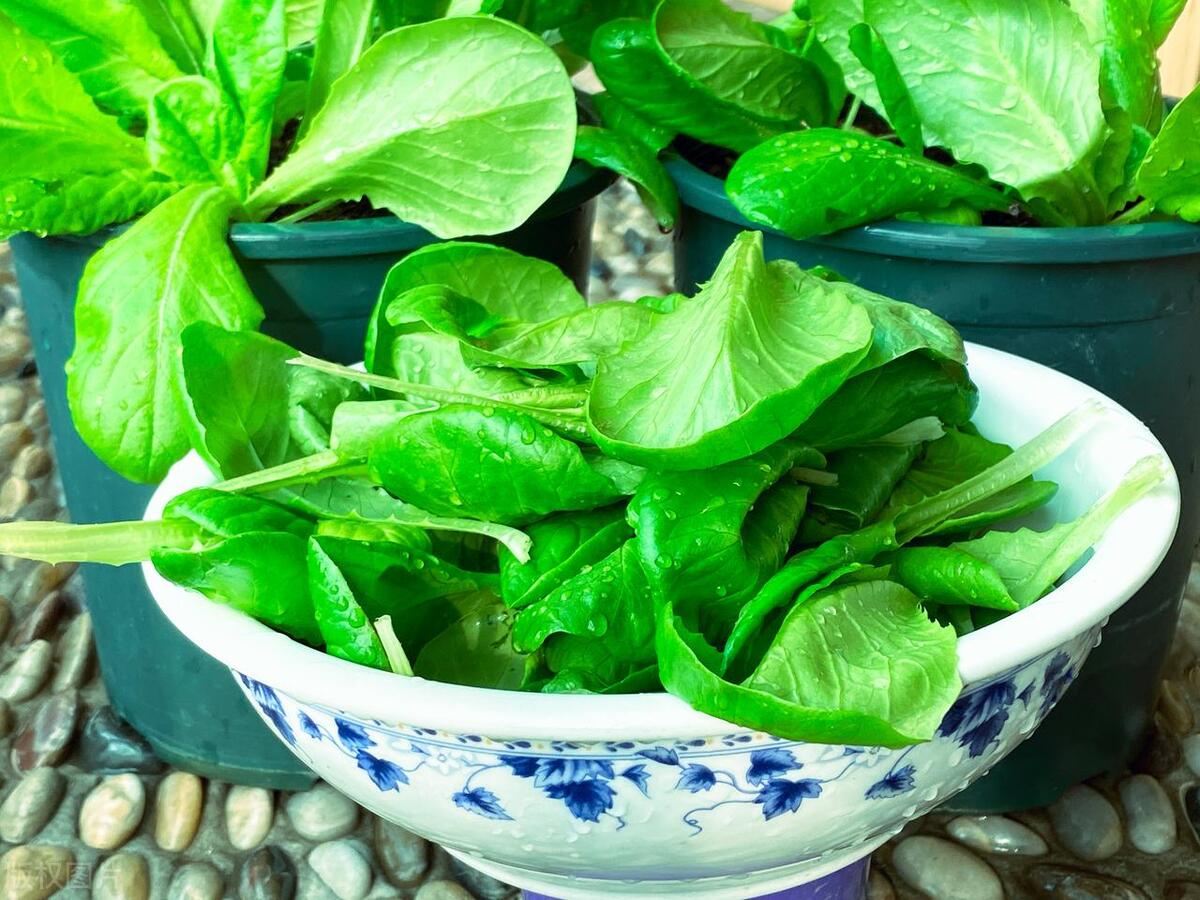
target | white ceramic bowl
[{"x": 600, "y": 796}]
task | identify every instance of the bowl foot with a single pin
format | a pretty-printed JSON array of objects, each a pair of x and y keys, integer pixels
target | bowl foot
[{"x": 849, "y": 883}]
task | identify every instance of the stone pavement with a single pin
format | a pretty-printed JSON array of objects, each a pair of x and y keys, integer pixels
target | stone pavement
[{"x": 86, "y": 809}]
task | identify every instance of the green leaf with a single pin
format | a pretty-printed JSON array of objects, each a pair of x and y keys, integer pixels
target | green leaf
[
  {"x": 449, "y": 156},
  {"x": 950, "y": 577},
  {"x": 806, "y": 567},
  {"x": 773, "y": 350},
  {"x": 246, "y": 57},
  {"x": 1026, "y": 108},
  {"x": 68, "y": 169},
  {"x": 633, "y": 160},
  {"x": 876, "y": 403},
  {"x": 227, "y": 515},
  {"x": 1170, "y": 174},
  {"x": 176, "y": 26},
  {"x": 742, "y": 89},
  {"x": 262, "y": 574},
  {"x": 302, "y": 19},
  {"x": 1122, "y": 35},
  {"x": 236, "y": 389},
  {"x": 898, "y": 107},
  {"x": 357, "y": 425},
  {"x": 109, "y": 44},
  {"x": 193, "y": 135},
  {"x": 856, "y": 664},
  {"x": 580, "y": 336},
  {"x": 709, "y": 539},
  {"x": 474, "y": 649},
  {"x": 496, "y": 465},
  {"x": 1163, "y": 16},
  {"x": 832, "y": 22},
  {"x": 951, "y": 460},
  {"x": 1030, "y": 562},
  {"x": 823, "y": 180},
  {"x": 313, "y": 399},
  {"x": 344, "y": 626},
  {"x": 863, "y": 659},
  {"x": 617, "y": 116},
  {"x": 865, "y": 479},
  {"x": 344, "y": 34},
  {"x": 563, "y": 545},
  {"x": 357, "y": 501},
  {"x": 138, "y": 293}
]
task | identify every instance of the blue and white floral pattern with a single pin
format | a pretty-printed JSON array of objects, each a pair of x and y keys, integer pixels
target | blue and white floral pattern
[{"x": 691, "y": 789}]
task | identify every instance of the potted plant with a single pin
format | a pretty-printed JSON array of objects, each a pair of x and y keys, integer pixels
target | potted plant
[
  {"x": 220, "y": 133},
  {"x": 1011, "y": 167},
  {"x": 527, "y": 503}
]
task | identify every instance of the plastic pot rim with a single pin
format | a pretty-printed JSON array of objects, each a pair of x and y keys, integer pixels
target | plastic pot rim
[{"x": 962, "y": 243}]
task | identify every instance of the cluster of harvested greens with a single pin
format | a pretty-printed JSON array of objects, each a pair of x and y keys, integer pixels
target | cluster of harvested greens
[{"x": 767, "y": 498}]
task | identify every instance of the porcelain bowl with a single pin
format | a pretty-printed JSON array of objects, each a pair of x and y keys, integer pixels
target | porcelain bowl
[{"x": 599, "y": 796}]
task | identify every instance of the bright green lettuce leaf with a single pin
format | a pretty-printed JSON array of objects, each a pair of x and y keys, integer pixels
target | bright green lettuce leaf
[
  {"x": 312, "y": 400},
  {"x": 898, "y": 107},
  {"x": 227, "y": 515},
  {"x": 193, "y": 135},
  {"x": 302, "y": 19},
  {"x": 262, "y": 574},
  {"x": 580, "y": 336},
  {"x": 356, "y": 425},
  {"x": 345, "y": 629},
  {"x": 950, "y": 577},
  {"x": 1030, "y": 562},
  {"x": 109, "y": 44},
  {"x": 236, "y": 390},
  {"x": 1170, "y": 174},
  {"x": 742, "y": 62},
  {"x": 1122, "y": 35},
  {"x": 629, "y": 158},
  {"x": 68, "y": 168},
  {"x": 175, "y": 24},
  {"x": 480, "y": 134},
  {"x": 824, "y": 179},
  {"x": 709, "y": 539},
  {"x": 563, "y": 545},
  {"x": 344, "y": 34},
  {"x": 832, "y": 22},
  {"x": 951, "y": 460},
  {"x": 246, "y": 57},
  {"x": 744, "y": 87},
  {"x": 486, "y": 463},
  {"x": 839, "y": 553},
  {"x": 774, "y": 351},
  {"x": 856, "y": 664},
  {"x": 1163, "y": 16},
  {"x": 876, "y": 403},
  {"x": 125, "y": 378},
  {"x": 618, "y": 117},
  {"x": 1026, "y": 108}
]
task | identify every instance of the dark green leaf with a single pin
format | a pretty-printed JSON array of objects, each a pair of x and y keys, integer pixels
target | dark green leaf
[
  {"x": 822, "y": 180},
  {"x": 618, "y": 117},
  {"x": 262, "y": 574},
  {"x": 502, "y": 467},
  {"x": 345, "y": 629},
  {"x": 950, "y": 577},
  {"x": 227, "y": 515},
  {"x": 865, "y": 479},
  {"x": 474, "y": 649},
  {"x": 898, "y": 107}
]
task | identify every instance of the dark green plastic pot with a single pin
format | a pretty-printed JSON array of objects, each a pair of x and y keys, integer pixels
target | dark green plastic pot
[
  {"x": 1117, "y": 307},
  {"x": 317, "y": 283}
]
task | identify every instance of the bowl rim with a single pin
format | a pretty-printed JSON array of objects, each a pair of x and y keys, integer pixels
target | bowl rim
[{"x": 1122, "y": 561}]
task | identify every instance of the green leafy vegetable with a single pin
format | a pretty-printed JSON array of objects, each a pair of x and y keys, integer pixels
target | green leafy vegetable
[
  {"x": 1169, "y": 176},
  {"x": 136, "y": 297},
  {"x": 344, "y": 626},
  {"x": 897, "y": 102},
  {"x": 821, "y": 180},
  {"x": 627, "y": 157},
  {"x": 193, "y": 134},
  {"x": 949, "y": 576},
  {"x": 452, "y": 159},
  {"x": 773, "y": 349}
]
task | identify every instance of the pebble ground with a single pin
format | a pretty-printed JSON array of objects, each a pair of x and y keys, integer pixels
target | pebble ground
[{"x": 72, "y": 826}]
